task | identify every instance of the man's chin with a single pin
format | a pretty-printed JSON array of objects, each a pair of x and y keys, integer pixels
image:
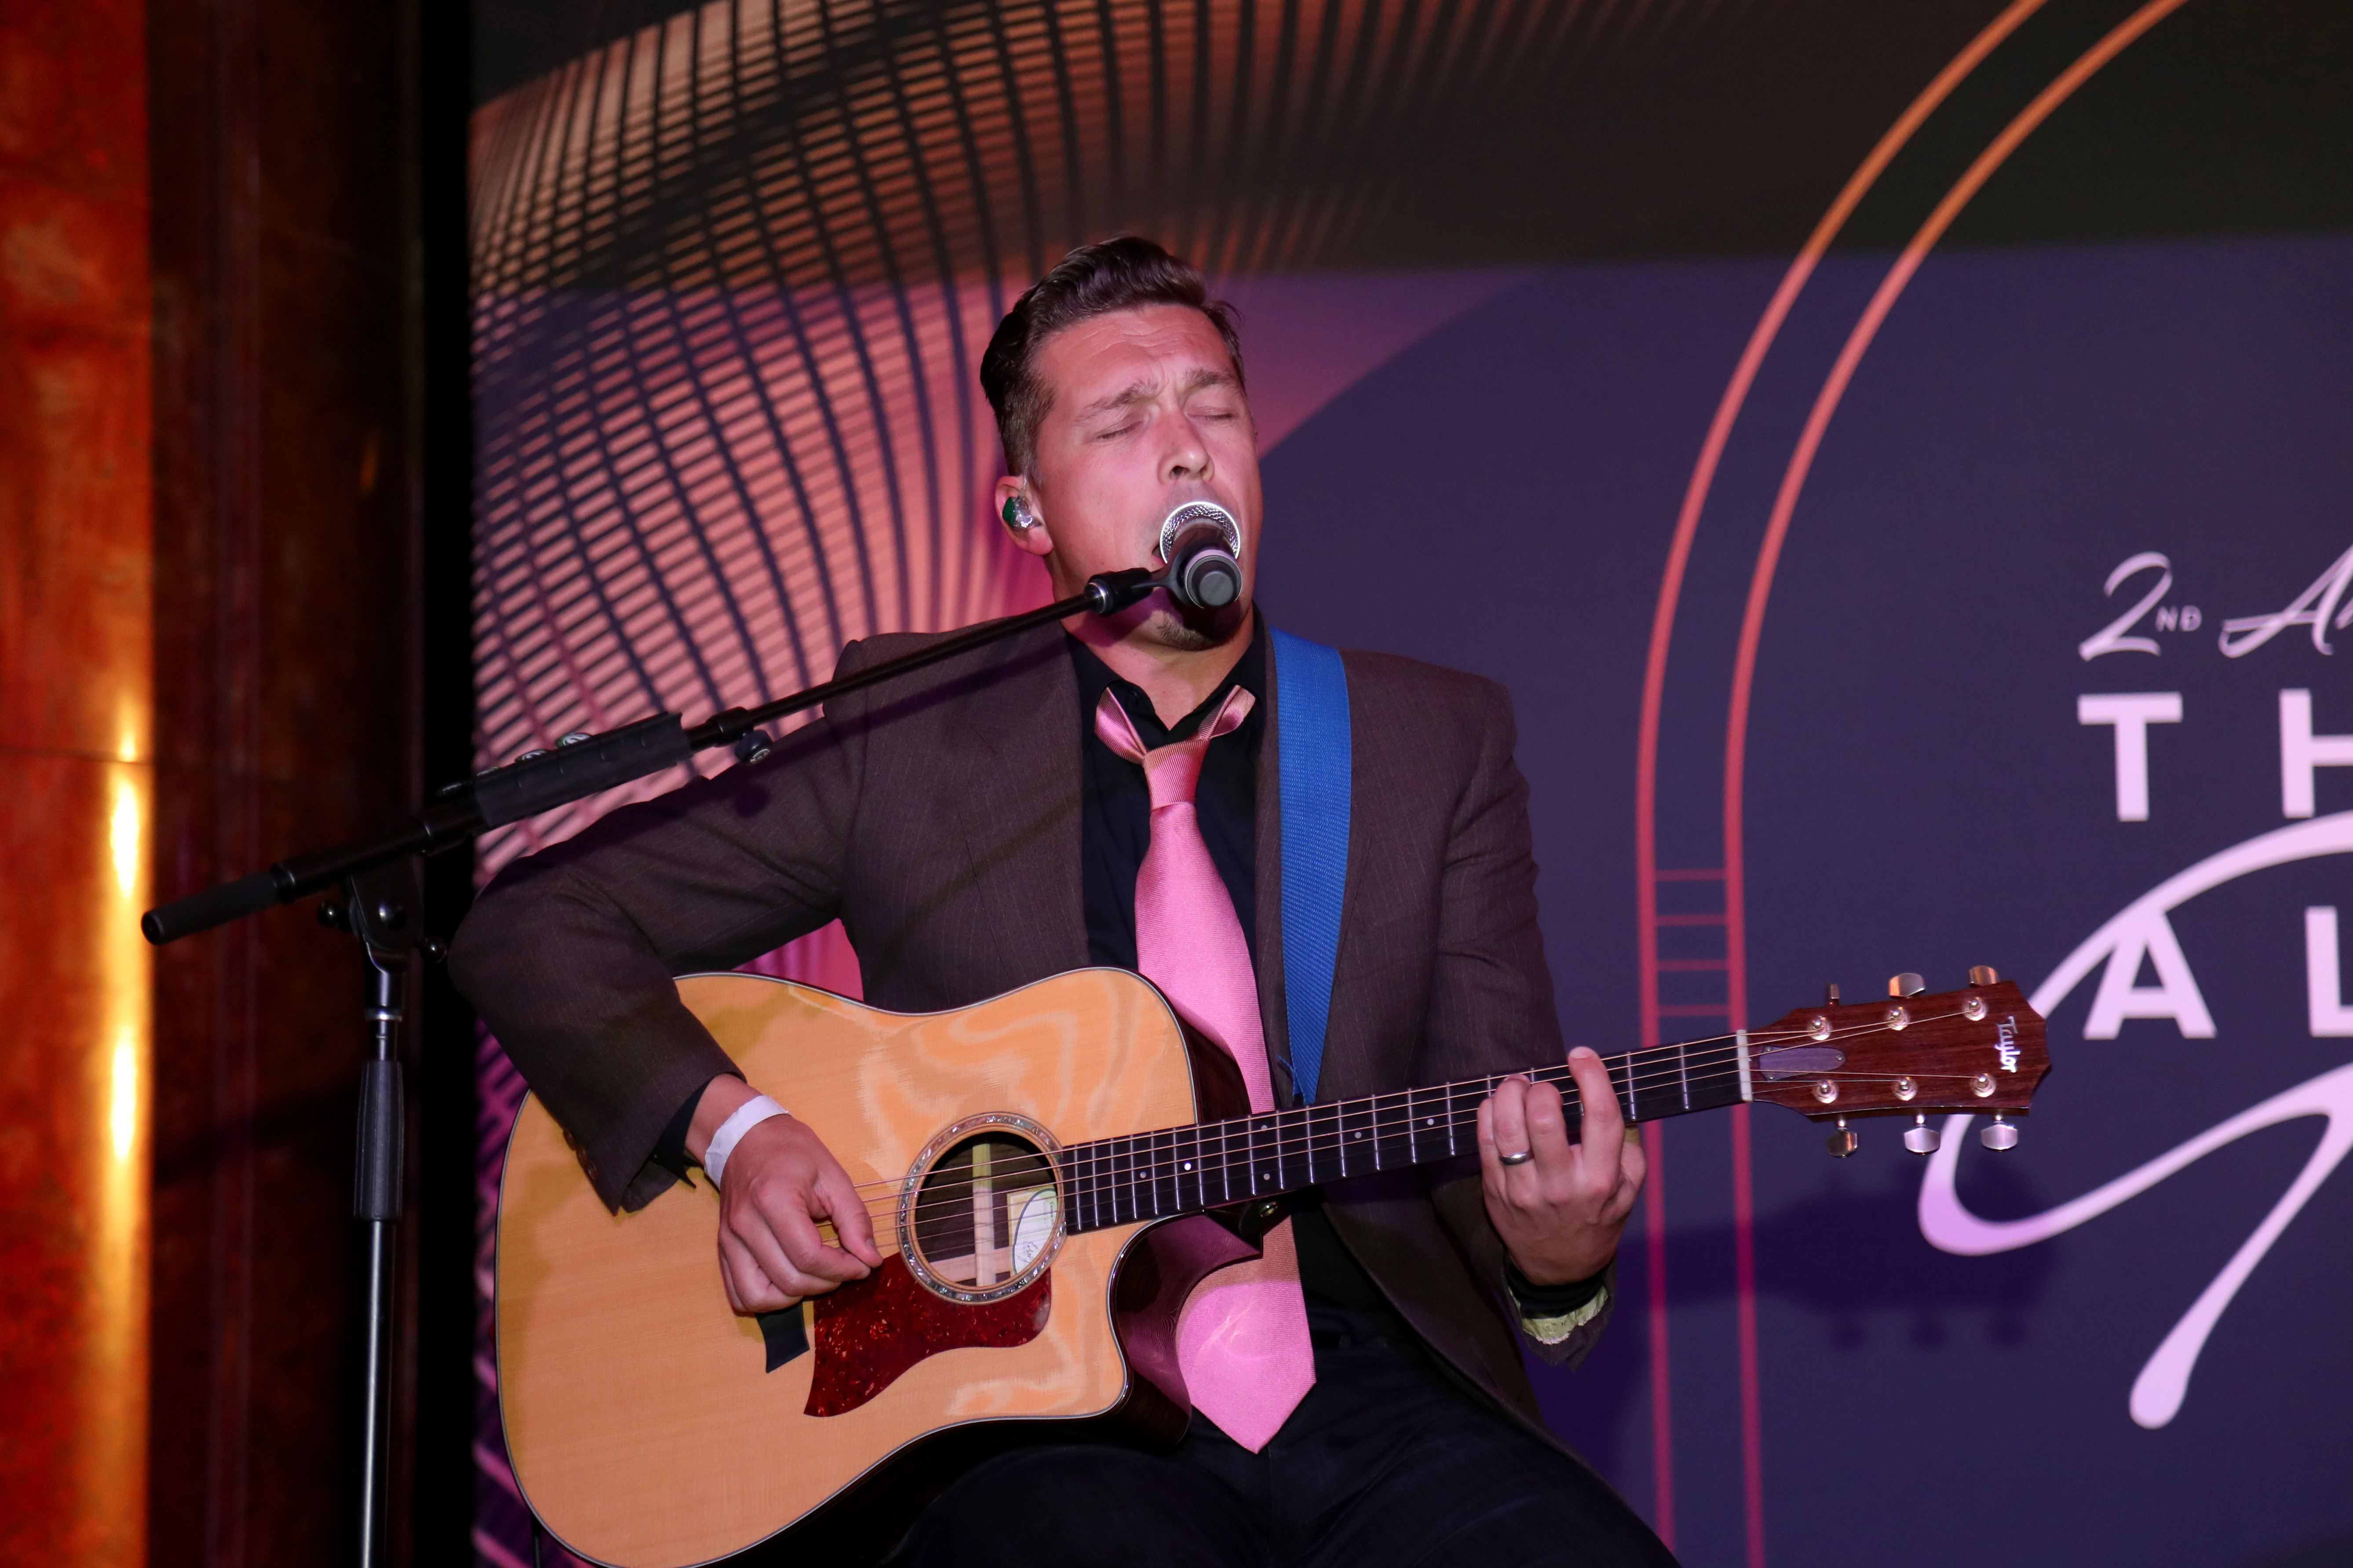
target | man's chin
[{"x": 1195, "y": 631}]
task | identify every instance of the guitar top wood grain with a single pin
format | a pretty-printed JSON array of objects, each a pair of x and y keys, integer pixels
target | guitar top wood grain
[{"x": 601, "y": 1313}]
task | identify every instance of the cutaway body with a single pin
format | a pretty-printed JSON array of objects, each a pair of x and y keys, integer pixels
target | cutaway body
[{"x": 644, "y": 1424}]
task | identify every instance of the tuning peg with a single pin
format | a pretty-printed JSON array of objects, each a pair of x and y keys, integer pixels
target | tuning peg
[
  {"x": 1921, "y": 1138},
  {"x": 1844, "y": 1142},
  {"x": 1906, "y": 985},
  {"x": 1998, "y": 1134},
  {"x": 1830, "y": 995},
  {"x": 1983, "y": 974}
]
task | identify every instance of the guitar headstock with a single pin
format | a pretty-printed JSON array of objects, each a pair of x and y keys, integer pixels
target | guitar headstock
[{"x": 1977, "y": 1049}]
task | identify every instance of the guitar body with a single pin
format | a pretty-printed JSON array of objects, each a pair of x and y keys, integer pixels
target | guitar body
[
  {"x": 1041, "y": 1170},
  {"x": 649, "y": 1424}
]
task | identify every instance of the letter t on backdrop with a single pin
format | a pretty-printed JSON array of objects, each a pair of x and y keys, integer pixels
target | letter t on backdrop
[{"x": 2132, "y": 713}]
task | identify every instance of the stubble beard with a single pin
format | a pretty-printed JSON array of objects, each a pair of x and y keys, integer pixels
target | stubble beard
[{"x": 1196, "y": 631}]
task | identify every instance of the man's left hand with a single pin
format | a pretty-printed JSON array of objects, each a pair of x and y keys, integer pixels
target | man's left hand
[{"x": 1560, "y": 1212}]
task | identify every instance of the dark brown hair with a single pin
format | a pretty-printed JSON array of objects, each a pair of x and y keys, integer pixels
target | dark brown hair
[{"x": 1093, "y": 280}]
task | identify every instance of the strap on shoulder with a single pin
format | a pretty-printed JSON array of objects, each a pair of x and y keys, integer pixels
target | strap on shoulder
[{"x": 1315, "y": 759}]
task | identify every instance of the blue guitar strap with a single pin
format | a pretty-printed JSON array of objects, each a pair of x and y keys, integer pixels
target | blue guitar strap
[{"x": 1313, "y": 758}]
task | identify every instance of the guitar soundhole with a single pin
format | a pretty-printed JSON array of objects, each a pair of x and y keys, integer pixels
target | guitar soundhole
[{"x": 984, "y": 1218}]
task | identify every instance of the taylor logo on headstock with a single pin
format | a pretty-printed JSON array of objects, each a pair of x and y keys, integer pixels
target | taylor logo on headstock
[{"x": 2006, "y": 1045}]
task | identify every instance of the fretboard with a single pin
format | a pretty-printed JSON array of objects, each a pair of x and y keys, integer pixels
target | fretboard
[{"x": 1212, "y": 1164}]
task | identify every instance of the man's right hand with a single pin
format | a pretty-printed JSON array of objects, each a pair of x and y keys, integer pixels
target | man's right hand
[{"x": 781, "y": 1181}]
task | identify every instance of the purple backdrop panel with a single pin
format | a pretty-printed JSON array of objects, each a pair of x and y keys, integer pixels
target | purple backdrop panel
[{"x": 2027, "y": 693}]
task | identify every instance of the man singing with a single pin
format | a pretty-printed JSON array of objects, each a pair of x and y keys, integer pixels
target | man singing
[{"x": 1106, "y": 792}]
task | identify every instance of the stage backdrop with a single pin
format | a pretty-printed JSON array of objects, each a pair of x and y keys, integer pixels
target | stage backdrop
[{"x": 1896, "y": 457}]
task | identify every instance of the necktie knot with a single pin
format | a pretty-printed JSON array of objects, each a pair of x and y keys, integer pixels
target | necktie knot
[{"x": 1173, "y": 772}]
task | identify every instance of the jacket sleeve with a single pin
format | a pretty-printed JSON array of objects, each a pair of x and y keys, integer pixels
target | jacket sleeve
[
  {"x": 569, "y": 954},
  {"x": 1491, "y": 1004}
]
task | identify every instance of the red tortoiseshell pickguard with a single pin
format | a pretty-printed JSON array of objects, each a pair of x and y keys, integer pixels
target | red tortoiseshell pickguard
[{"x": 872, "y": 1331}]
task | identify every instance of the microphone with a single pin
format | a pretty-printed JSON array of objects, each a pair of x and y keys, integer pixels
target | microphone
[{"x": 1203, "y": 546}]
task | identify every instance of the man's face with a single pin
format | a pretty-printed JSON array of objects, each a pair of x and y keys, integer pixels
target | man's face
[{"x": 1144, "y": 414}]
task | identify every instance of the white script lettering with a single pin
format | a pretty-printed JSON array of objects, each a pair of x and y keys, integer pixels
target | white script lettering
[
  {"x": 2312, "y": 608},
  {"x": 2164, "y": 1381},
  {"x": 2110, "y": 638}
]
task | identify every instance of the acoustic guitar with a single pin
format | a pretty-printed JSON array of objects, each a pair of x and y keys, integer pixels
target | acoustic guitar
[{"x": 1047, "y": 1173}]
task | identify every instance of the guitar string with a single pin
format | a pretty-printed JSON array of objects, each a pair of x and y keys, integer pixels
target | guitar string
[
  {"x": 1707, "y": 1068},
  {"x": 1304, "y": 1139},
  {"x": 1089, "y": 1192},
  {"x": 1303, "y": 1136},
  {"x": 1720, "y": 1041}
]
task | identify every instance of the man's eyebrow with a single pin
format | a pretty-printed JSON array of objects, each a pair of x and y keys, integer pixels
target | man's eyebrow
[
  {"x": 1135, "y": 391},
  {"x": 1144, "y": 390}
]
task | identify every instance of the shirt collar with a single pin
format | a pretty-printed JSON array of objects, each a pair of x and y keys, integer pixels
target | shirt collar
[{"x": 1095, "y": 677}]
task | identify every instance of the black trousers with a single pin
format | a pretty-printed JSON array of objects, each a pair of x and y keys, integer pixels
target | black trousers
[{"x": 1384, "y": 1465}]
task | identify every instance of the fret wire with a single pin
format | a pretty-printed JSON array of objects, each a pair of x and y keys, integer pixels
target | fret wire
[
  {"x": 1106, "y": 1185},
  {"x": 1724, "y": 1047},
  {"x": 1176, "y": 1200},
  {"x": 1089, "y": 1167},
  {"x": 1255, "y": 1132},
  {"x": 1456, "y": 1118},
  {"x": 1759, "y": 1041}
]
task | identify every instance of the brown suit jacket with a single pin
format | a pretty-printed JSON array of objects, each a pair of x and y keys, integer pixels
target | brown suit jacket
[{"x": 938, "y": 816}]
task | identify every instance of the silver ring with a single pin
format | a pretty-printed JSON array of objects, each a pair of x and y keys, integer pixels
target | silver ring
[{"x": 1522, "y": 1158}]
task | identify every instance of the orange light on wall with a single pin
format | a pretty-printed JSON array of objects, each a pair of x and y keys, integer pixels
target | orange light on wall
[{"x": 76, "y": 781}]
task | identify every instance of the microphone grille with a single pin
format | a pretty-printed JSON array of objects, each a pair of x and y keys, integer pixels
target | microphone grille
[{"x": 1193, "y": 511}]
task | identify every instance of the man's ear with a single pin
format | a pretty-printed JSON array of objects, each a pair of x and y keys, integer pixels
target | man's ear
[{"x": 1024, "y": 517}]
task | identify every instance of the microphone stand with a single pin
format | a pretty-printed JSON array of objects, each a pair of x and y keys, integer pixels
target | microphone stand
[{"x": 380, "y": 903}]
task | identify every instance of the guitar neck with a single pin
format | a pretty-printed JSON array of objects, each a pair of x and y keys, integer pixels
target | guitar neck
[{"x": 1213, "y": 1164}]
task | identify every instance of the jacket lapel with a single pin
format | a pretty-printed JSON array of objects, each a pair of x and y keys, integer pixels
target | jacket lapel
[{"x": 1020, "y": 807}]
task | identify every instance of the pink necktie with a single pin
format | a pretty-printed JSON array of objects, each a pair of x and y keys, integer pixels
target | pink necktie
[{"x": 1242, "y": 1340}]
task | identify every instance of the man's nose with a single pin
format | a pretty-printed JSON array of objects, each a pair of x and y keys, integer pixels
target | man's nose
[{"x": 1187, "y": 455}]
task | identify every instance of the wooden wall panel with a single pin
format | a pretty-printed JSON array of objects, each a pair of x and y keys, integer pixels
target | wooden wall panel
[
  {"x": 283, "y": 646},
  {"x": 75, "y": 778}
]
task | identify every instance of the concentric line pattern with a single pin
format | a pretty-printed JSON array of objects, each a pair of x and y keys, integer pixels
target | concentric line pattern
[{"x": 735, "y": 271}]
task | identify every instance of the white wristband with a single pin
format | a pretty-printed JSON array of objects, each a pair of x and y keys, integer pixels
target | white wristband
[{"x": 748, "y": 1115}]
